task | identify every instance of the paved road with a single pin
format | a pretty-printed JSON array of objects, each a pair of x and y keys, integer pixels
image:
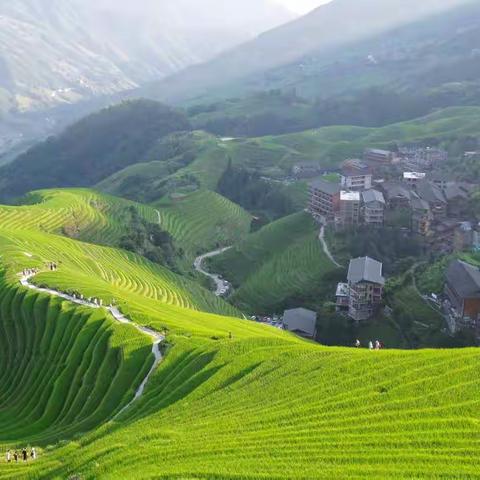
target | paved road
[
  {"x": 321, "y": 237},
  {"x": 119, "y": 317},
  {"x": 198, "y": 264}
]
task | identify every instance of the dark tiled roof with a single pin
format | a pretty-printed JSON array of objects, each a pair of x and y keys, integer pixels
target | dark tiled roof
[
  {"x": 300, "y": 320},
  {"x": 355, "y": 167},
  {"x": 373, "y": 196},
  {"x": 429, "y": 192},
  {"x": 396, "y": 190},
  {"x": 326, "y": 187},
  {"x": 419, "y": 204},
  {"x": 453, "y": 190},
  {"x": 365, "y": 269},
  {"x": 464, "y": 278},
  {"x": 378, "y": 151}
]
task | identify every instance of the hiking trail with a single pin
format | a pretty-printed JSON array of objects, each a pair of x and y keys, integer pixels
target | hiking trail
[{"x": 118, "y": 316}]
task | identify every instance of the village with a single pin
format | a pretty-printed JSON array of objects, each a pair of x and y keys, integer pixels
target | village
[{"x": 436, "y": 208}]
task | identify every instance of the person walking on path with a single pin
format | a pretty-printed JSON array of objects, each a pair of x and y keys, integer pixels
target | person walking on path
[
  {"x": 358, "y": 344},
  {"x": 9, "y": 456},
  {"x": 15, "y": 456},
  {"x": 370, "y": 345},
  {"x": 33, "y": 454},
  {"x": 24, "y": 454}
]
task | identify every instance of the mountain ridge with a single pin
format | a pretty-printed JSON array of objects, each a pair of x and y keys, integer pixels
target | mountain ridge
[{"x": 322, "y": 29}]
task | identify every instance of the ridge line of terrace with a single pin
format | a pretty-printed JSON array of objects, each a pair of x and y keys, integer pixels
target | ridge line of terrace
[{"x": 119, "y": 317}]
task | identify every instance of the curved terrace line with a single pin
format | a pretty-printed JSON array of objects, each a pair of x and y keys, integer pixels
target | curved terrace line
[{"x": 119, "y": 317}]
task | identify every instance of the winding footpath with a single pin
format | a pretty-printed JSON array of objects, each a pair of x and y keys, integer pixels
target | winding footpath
[
  {"x": 119, "y": 317},
  {"x": 326, "y": 250},
  {"x": 198, "y": 264}
]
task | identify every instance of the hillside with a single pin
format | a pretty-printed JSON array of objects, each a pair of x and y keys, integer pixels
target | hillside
[
  {"x": 204, "y": 221},
  {"x": 55, "y": 52},
  {"x": 235, "y": 168},
  {"x": 407, "y": 72},
  {"x": 92, "y": 149},
  {"x": 230, "y": 399},
  {"x": 63, "y": 59},
  {"x": 280, "y": 266},
  {"x": 339, "y": 23}
]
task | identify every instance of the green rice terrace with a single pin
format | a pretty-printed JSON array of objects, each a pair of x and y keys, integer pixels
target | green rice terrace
[{"x": 231, "y": 399}]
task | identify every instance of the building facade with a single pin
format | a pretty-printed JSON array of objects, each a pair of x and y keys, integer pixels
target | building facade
[
  {"x": 349, "y": 209},
  {"x": 462, "y": 288},
  {"x": 356, "y": 176},
  {"x": 379, "y": 156},
  {"x": 365, "y": 283},
  {"x": 373, "y": 210},
  {"x": 324, "y": 200}
]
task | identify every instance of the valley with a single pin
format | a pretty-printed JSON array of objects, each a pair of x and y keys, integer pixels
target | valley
[{"x": 246, "y": 245}]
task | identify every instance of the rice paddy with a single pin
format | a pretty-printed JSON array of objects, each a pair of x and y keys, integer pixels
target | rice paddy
[
  {"x": 283, "y": 260},
  {"x": 203, "y": 221},
  {"x": 231, "y": 400}
]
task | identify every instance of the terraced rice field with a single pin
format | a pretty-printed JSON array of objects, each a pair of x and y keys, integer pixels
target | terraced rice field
[
  {"x": 79, "y": 213},
  {"x": 232, "y": 399},
  {"x": 204, "y": 221},
  {"x": 281, "y": 261}
]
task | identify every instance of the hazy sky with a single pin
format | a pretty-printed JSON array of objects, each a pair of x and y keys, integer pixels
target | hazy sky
[{"x": 302, "y": 6}]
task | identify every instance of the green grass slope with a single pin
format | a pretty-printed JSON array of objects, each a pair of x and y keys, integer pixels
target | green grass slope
[
  {"x": 179, "y": 163},
  {"x": 231, "y": 400},
  {"x": 203, "y": 221},
  {"x": 77, "y": 213},
  {"x": 331, "y": 145},
  {"x": 279, "y": 264},
  {"x": 258, "y": 408},
  {"x": 64, "y": 370}
]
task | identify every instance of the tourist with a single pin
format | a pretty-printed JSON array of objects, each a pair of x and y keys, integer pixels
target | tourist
[
  {"x": 33, "y": 454},
  {"x": 358, "y": 343},
  {"x": 15, "y": 456},
  {"x": 24, "y": 454},
  {"x": 370, "y": 345},
  {"x": 377, "y": 345},
  {"x": 9, "y": 456}
]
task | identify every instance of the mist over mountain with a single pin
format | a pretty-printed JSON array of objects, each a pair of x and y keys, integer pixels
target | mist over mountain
[
  {"x": 55, "y": 51},
  {"x": 339, "y": 23}
]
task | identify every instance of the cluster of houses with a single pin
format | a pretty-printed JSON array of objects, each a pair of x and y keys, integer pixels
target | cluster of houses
[
  {"x": 349, "y": 202},
  {"x": 438, "y": 208}
]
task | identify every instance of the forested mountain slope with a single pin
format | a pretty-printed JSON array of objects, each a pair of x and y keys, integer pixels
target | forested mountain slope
[
  {"x": 404, "y": 73},
  {"x": 93, "y": 148},
  {"x": 339, "y": 23}
]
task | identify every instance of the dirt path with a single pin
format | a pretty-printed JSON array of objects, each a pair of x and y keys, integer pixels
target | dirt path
[
  {"x": 119, "y": 317},
  {"x": 325, "y": 248},
  {"x": 198, "y": 264},
  {"x": 159, "y": 216}
]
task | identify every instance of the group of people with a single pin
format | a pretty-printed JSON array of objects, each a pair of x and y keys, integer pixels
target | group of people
[
  {"x": 15, "y": 456},
  {"x": 52, "y": 266},
  {"x": 28, "y": 272},
  {"x": 377, "y": 345}
]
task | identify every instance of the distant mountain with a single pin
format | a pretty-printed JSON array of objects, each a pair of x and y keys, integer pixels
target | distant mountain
[
  {"x": 397, "y": 75},
  {"x": 57, "y": 51},
  {"x": 339, "y": 23}
]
